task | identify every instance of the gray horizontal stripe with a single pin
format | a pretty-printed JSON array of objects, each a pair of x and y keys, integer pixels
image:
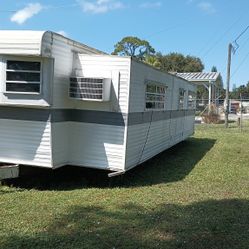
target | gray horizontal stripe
[
  {"x": 189, "y": 112},
  {"x": 161, "y": 115},
  {"x": 146, "y": 117},
  {"x": 28, "y": 114},
  {"x": 63, "y": 115},
  {"x": 139, "y": 117},
  {"x": 88, "y": 116},
  {"x": 60, "y": 115},
  {"x": 177, "y": 114}
]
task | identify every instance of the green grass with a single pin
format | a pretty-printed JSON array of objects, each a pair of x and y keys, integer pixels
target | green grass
[{"x": 194, "y": 195}]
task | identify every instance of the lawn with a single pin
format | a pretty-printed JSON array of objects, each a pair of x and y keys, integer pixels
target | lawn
[{"x": 195, "y": 195}]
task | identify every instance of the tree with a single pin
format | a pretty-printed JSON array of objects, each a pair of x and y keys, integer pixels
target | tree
[
  {"x": 242, "y": 90},
  {"x": 193, "y": 64},
  {"x": 133, "y": 46},
  {"x": 153, "y": 61},
  {"x": 219, "y": 84},
  {"x": 176, "y": 62}
]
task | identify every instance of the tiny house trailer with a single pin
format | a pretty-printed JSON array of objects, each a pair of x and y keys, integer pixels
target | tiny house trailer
[{"x": 64, "y": 103}]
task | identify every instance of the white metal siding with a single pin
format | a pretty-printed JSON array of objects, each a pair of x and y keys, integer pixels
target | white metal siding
[
  {"x": 148, "y": 139},
  {"x": 95, "y": 145},
  {"x": 63, "y": 54},
  {"x": 118, "y": 69},
  {"x": 20, "y": 42},
  {"x": 139, "y": 74},
  {"x": 85, "y": 144},
  {"x": 25, "y": 142},
  {"x": 60, "y": 143}
]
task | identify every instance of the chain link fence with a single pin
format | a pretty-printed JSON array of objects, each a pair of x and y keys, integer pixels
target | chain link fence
[{"x": 214, "y": 112}]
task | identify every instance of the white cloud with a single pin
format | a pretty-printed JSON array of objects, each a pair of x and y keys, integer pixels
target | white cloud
[
  {"x": 100, "y": 6},
  {"x": 62, "y": 32},
  {"x": 149, "y": 5},
  {"x": 207, "y": 7},
  {"x": 21, "y": 16}
]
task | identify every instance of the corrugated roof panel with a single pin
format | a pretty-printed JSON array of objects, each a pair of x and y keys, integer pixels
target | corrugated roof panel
[{"x": 199, "y": 76}]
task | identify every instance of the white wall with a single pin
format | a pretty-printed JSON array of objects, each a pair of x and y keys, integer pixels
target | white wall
[
  {"x": 98, "y": 146},
  {"x": 25, "y": 142},
  {"x": 145, "y": 140},
  {"x": 114, "y": 67},
  {"x": 90, "y": 144}
]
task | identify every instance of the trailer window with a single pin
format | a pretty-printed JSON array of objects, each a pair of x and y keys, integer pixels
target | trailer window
[
  {"x": 155, "y": 96},
  {"x": 191, "y": 100},
  {"x": 23, "y": 76},
  {"x": 181, "y": 98}
]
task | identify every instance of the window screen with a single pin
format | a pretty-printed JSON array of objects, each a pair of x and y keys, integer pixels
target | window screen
[
  {"x": 155, "y": 96},
  {"x": 23, "y": 76}
]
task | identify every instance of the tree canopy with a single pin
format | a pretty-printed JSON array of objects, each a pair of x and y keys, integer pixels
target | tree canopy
[
  {"x": 177, "y": 62},
  {"x": 242, "y": 90},
  {"x": 172, "y": 62},
  {"x": 133, "y": 46}
]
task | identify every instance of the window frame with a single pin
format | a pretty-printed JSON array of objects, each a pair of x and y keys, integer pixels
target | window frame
[
  {"x": 181, "y": 97},
  {"x": 192, "y": 106},
  {"x": 155, "y": 94},
  {"x": 23, "y": 59}
]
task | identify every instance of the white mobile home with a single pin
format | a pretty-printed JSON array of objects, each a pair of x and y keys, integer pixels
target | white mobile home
[{"x": 64, "y": 103}]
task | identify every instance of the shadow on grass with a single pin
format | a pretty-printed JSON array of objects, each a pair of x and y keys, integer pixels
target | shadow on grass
[
  {"x": 210, "y": 224},
  {"x": 171, "y": 165}
]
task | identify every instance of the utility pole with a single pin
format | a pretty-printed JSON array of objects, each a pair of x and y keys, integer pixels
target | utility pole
[{"x": 230, "y": 46}]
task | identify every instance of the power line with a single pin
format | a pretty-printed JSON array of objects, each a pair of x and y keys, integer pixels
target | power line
[
  {"x": 236, "y": 47},
  {"x": 221, "y": 37},
  {"x": 180, "y": 25},
  {"x": 235, "y": 71},
  {"x": 161, "y": 31},
  {"x": 235, "y": 42},
  {"x": 239, "y": 66}
]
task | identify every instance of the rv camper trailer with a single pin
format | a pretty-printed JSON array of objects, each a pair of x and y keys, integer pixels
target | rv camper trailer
[{"x": 64, "y": 103}]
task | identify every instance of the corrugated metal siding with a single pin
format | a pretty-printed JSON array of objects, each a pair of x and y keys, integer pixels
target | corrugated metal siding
[
  {"x": 85, "y": 144},
  {"x": 63, "y": 62},
  {"x": 25, "y": 142},
  {"x": 189, "y": 126},
  {"x": 146, "y": 140},
  {"x": 60, "y": 143},
  {"x": 107, "y": 66},
  {"x": 63, "y": 53},
  {"x": 95, "y": 145},
  {"x": 20, "y": 42},
  {"x": 139, "y": 74}
]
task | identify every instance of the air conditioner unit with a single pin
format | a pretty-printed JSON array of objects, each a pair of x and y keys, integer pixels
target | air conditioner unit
[{"x": 90, "y": 89}]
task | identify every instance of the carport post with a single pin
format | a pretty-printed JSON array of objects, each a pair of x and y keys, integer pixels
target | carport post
[{"x": 209, "y": 95}]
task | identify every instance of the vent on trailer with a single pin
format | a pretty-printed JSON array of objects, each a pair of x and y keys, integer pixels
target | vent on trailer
[{"x": 91, "y": 89}]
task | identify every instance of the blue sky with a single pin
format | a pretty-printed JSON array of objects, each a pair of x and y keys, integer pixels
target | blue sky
[{"x": 201, "y": 28}]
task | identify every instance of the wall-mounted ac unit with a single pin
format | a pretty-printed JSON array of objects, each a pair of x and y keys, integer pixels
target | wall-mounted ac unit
[{"x": 91, "y": 89}]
